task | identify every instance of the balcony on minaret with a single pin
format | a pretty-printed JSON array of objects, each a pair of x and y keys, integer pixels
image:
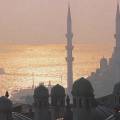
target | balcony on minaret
[
  {"x": 69, "y": 59},
  {"x": 69, "y": 47},
  {"x": 117, "y": 36},
  {"x": 69, "y": 35}
]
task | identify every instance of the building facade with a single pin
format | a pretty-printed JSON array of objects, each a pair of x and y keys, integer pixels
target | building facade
[{"x": 108, "y": 74}]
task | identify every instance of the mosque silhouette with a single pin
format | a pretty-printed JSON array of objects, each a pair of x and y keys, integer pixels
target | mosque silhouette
[{"x": 85, "y": 106}]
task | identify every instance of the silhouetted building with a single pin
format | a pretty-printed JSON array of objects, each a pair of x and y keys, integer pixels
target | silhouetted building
[
  {"x": 68, "y": 115},
  {"x": 113, "y": 100},
  {"x": 5, "y": 109},
  {"x": 41, "y": 103},
  {"x": 85, "y": 105},
  {"x": 58, "y": 96},
  {"x": 58, "y": 101},
  {"x": 108, "y": 74},
  {"x": 116, "y": 93},
  {"x": 103, "y": 65}
]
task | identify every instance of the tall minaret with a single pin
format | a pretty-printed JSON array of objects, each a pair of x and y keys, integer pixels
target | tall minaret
[
  {"x": 118, "y": 27},
  {"x": 69, "y": 49},
  {"x": 116, "y": 54}
]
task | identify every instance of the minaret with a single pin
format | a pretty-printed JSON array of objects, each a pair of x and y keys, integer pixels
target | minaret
[
  {"x": 116, "y": 54},
  {"x": 69, "y": 49},
  {"x": 117, "y": 27}
]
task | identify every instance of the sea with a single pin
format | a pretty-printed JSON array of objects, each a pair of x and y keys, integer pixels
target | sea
[{"x": 30, "y": 65}]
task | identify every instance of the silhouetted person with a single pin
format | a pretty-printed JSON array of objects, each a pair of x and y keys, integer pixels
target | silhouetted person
[{"x": 7, "y": 94}]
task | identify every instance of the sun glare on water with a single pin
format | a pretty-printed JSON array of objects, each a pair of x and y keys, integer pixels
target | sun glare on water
[{"x": 44, "y": 63}]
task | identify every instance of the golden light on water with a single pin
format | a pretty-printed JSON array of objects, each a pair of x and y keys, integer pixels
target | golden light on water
[{"x": 45, "y": 63}]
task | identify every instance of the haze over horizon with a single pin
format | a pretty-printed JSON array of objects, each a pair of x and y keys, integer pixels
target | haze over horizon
[
  {"x": 26, "y": 23},
  {"x": 44, "y": 21}
]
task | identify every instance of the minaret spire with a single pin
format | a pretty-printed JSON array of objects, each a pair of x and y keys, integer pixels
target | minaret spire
[
  {"x": 69, "y": 20},
  {"x": 69, "y": 48},
  {"x": 117, "y": 4},
  {"x": 115, "y": 62},
  {"x": 117, "y": 26},
  {"x": 118, "y": 12}
]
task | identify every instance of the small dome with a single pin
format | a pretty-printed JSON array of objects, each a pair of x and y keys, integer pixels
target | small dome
[
  {"x": 103, "y": 62},
  {"x": 58, "y": 90},
  {"x": 41, "y": 91},
  {"x": 5, "y": 104},
  {"x": 116, "y": 90},
  {"x": 82, "y": 87}
]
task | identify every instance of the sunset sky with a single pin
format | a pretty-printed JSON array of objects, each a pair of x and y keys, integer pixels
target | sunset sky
[
  {"x": 39, "y": 22},
  {"x": 44, "y": 21}
]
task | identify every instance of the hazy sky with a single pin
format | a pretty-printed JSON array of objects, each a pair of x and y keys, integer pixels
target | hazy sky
[{"x": 44, "y": 21}]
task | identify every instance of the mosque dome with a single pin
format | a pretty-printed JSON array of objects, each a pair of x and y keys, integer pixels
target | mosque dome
[
  {"x": 58, "y": 90},
  {"x": 41, "y": 91},
  {"x": 116, "y": 90},
  {"x": 5, "y": 104},
  {"x": 82, "y": 87},
  {"x": 103, "y": 62}
]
